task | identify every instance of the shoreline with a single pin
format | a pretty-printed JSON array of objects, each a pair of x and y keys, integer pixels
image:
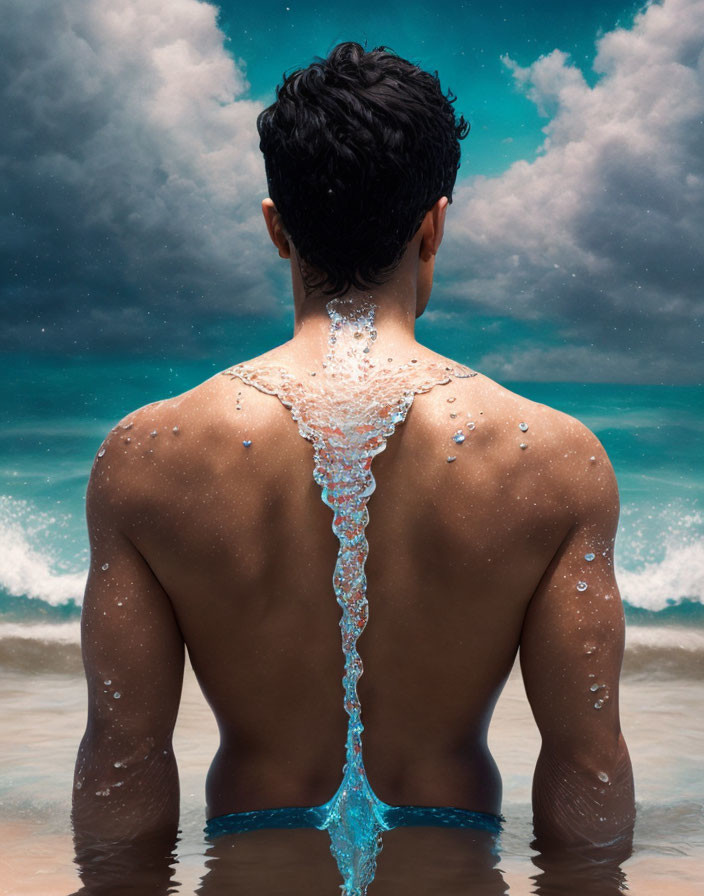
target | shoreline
[{"x": 665, "y": 651}]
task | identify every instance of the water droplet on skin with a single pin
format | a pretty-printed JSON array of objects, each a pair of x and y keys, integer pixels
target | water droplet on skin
[
  {"x": 128, "y": 425},
  {"x": 589, "y": 557},
  {"x": 119, "y": 603},
  {"x": 471, "y": 425},
  {"x": 450, "y": 400},
  {"x": 458, "y": 437},
  {"x": 589, "y": 649},
  {"x": 247, "y": 443},
  {"x": 452, "y": 416},
  {"x": 153, "y": 434},
  {"x": 582, "y": 586},
  {"x": 118, "y": 764},
  {"x": 598, "y": 704},
  {"x": 596, "y": 687},
  {"x": 79, "y": 784},
  {"x": 523, "y": 446},
  {"x": 603, "y": 777},
  {"x": 414, "y": 360},
  {"x": 101, "y": 452},
  {"x": 105, "y": 792},
  {"x": 523, "y": 427},
  {"x": 127, "y": 440},
  {"x": 105, "y": 567},
  {"x": 117, "y": 695},
  {"x": 451, "y": 458},
  {"x": 108, "y": 681}
]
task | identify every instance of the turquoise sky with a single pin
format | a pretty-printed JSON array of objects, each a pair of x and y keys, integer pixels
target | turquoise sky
[{"x": 463, "y": 41}]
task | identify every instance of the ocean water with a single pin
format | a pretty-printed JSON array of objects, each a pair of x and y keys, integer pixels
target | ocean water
[{"x": 54, "y": 412}]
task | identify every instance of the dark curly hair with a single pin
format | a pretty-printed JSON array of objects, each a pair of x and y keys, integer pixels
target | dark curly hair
[{"x": 357, "y": 148}]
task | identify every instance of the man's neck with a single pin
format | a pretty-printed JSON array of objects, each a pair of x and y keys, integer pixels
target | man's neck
[
  {"x": 398, "y": 302},
  {"x": 394, "y": 315}
]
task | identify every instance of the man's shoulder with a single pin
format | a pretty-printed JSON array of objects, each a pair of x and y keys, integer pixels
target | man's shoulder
[
  {"x": 552, "y": 444},
  {"x": 157, "y": 443},
  {"x": 508, "y": 406}
]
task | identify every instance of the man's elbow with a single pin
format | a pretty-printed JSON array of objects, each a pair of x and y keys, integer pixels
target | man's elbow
[
  {"x": 122, "y": 761},
  {"x": 124, "y": 741},
  {"x": 584, "y": 798},
  {"x": 603, "y": 760}
]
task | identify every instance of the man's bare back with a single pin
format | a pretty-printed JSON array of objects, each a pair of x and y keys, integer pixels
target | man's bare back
[
  {"x": 208, "y": 531},
  {"x": 239, "y": 549}
]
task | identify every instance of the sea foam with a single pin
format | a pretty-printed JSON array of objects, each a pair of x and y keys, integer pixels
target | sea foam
[
  {"x": 29, "y": 566},
  {"x": 658, "y": 584}
]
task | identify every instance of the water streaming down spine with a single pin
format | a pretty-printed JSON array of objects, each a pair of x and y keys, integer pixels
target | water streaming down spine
[{"x": 348, "y": 410}]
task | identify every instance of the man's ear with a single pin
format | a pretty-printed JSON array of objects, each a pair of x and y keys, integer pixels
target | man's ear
[
  {"x": 275, "y": 227},
  {"x": 433, "y": 228}
]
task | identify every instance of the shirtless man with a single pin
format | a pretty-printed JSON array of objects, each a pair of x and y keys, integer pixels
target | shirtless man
[{"x": 208, "y": 531}]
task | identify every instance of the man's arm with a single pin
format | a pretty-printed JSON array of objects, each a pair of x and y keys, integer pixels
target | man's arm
[
  {"x": 571, "y": 652},
  {"x": 126, "y": 781}
]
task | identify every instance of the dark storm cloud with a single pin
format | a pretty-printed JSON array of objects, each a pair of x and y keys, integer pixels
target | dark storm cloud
[
  {"x": 129, "y": 173},
  {"x": 130, "y": 184}
]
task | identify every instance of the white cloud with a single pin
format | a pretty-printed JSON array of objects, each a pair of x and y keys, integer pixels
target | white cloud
[
  {"x": 601, "y": 234},
  {"x": 131, "y": 162},
  {"x": 131, "y": 180}
]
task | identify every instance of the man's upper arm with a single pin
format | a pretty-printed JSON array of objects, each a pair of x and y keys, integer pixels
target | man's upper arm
[
  {"x": 132, "y": 646},
  {"x": 572, "y": 639},
  {"x": 571, "y": 652},
  {"x": 126, "y": 790}
]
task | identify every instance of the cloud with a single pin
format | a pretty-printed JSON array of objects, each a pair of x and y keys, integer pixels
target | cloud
[
  {"x": 130, "y": 173},
  {"x": 131, "y": 179},
  {"x": 602, "y": 233}
]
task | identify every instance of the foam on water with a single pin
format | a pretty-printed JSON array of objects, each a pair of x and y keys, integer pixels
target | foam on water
[
  {"x": 47, "y": 633},
  {"x": 28, "y": 565},
  {"x": 660, "y": 560},
  {"x": 657, "y": 584}
]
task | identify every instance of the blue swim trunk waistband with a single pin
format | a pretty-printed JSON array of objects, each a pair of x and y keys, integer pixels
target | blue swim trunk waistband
[{"x": 314, "y": 817}]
